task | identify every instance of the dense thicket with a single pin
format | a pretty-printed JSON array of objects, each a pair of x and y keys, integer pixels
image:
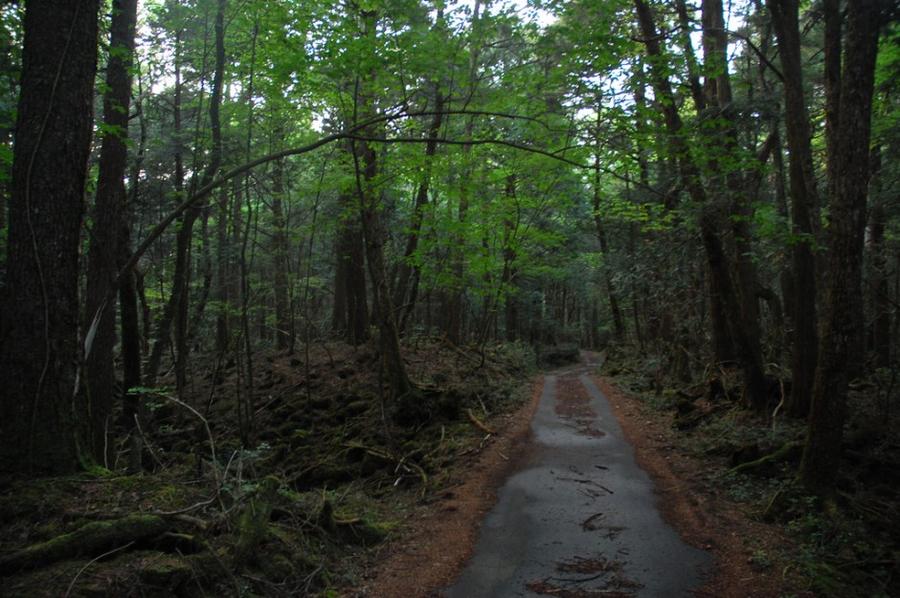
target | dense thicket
[{"x": 712, "y": 185}]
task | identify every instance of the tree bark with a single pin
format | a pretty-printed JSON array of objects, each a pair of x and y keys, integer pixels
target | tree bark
[
  {"x": 881, "y": 303},
  {"x": 284, "y": 323},
  {"x": 176, "y": 310},
  {"x": 618, "y": 322},
  {"x": 185, "y": 229},
  {"x": 130, "y": 290},
  {"x": 220, "y": 292},
  {"x": 108, "y": 209},
  {"x": 39, "y": 429},
  {"x": 407, "y": 286},
  {"x": 804, "y": 202},
  {"x": 455, "y": 296},
  {"x": 351, "y": 307},
  {"x": 718, "y": 96},
  {"x": 843, "y": 298}
]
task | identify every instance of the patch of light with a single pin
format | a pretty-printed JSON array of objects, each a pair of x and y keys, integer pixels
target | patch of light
[{"x": 527, "y": 13}]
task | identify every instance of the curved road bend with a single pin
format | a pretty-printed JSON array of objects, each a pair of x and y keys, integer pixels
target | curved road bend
[{"x": 579, "y": 517}]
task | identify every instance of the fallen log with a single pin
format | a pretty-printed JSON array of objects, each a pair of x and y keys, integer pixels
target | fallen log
[{"x": 89, "y": 540}]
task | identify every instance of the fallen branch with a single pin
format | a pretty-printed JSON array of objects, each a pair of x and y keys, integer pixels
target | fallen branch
[
  {"x": 478, "y": 423},
  {"x": 401, "y": 462},
  {"x": 91, "y": 562}
]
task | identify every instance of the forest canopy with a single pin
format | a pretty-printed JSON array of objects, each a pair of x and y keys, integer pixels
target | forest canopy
[{"x": 709, "y": 184}]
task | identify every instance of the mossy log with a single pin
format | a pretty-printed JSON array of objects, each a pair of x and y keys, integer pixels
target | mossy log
[
  {"x": 89, "y": 540},
  {"x": 788, "y": 451}
]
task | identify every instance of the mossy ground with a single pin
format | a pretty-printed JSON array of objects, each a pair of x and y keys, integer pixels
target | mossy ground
[{"x": 324, "y": 435}]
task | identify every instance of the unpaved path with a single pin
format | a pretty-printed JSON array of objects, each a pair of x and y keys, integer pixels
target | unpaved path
[{"x": 578, "y": 517}]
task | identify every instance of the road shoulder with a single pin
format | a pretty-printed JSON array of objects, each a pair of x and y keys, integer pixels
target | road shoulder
[
  {"x": 702, "y": 518},
  {"x": 441, "y": 535}
]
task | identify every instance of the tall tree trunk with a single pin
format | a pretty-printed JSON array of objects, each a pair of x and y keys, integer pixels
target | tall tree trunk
[
  {"x": 131, "y": 349},
  {"x": 245, "y": 264},
  {"x": 843, "y": 298},
  {"x": 284, "y": 323},
  {"x": 129, "y": 308},
  {"x": 366, "y": 163},
  {"x": 220, "y": 291},
  {"x": 786, "y": 277},
  {"x": 881, "y": 302},
  {"x": 185, "y": 229},
  {"x": 455, "y": 296},
  {"x": 109, "y": 204},
  {"x": 710, "y": 221},
  {"x": 686, "y": 26},
  {"x": 618, "y": 322},
  {"x": 373, "y": 233},
  {"x": 407, "y": 285},
  {"x": 351, "y": 308},
  {"x": 804, "y": 202},
  {"x": 176, "y": 309},
  {"x": 39, "y": 429},
  {"x": 717, "y": 90}
]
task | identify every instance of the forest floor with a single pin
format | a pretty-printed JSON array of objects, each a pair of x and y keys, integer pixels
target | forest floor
[
  {"x": 343, "y": 493},
  {"x": 334, "y": 475}
]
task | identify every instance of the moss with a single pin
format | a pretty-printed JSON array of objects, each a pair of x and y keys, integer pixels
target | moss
[
  {"x": 129, "y": 482},
  {"x": 98, "y": 471},
  {"x": 167, "y": 495},
  {"x": 88, "y": 540},
  {"x": 165, "y": 572},
  {"x": 352, "y": 530},
  {"x": 253, "y": 523},
  {"x": 34, "y": 500}
]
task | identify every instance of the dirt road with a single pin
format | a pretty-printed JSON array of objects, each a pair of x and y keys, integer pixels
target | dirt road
[{"x": 579, "y": 517}]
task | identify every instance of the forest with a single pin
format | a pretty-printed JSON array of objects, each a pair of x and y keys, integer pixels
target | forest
[{"x": 277, "y": 276}]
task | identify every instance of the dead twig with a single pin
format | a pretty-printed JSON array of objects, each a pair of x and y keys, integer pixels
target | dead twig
[{"x": 91, "y": 562}]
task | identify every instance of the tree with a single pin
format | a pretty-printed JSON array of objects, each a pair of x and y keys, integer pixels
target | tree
[
  {"x": 717, "y": 93},
  {"x": 106, "y": 224},
  {"x": 41, "y": 426},
  {"x": 846, "y": 227},
  {"x": 366, "y": 172},
  {"x": 804, "y": 205}
]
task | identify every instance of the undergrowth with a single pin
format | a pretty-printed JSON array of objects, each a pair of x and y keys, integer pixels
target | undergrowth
[{"x": 298, "y": 507}]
